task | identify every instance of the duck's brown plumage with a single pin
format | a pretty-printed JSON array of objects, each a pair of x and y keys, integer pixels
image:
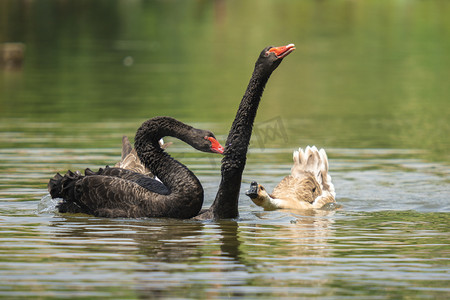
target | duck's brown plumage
[{"x": 305, "y": 188}]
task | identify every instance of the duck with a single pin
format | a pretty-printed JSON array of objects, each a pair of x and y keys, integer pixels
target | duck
[{"x": 308, "y": 186}]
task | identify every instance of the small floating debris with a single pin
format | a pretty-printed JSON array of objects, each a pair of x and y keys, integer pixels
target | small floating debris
[
  {"x": 12, "y": 56},
  {"x": 128, "y": 61}
]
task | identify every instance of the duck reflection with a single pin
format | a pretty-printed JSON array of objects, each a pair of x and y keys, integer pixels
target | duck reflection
[{"x": 304, "y": 235}]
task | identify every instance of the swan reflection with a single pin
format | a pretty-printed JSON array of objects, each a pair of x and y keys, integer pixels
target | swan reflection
[{"x": 166, "y": 256}]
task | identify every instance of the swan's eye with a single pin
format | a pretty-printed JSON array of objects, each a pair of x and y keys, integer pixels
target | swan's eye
[
  {"x": 314, "y": 190},
  {"x": 267, "y": 53},
  {"x": 262, "y": 188}
]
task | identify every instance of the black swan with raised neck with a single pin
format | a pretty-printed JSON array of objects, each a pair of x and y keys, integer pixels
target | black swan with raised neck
[
  {"x": 115, "y": 192},
  {"x": 225, "y": 205}
]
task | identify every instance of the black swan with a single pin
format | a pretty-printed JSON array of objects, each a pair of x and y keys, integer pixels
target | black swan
[
  {"x": 308, "y": 187},
  {"x": 115, "y": 192},
  {"x": 225, "y": 205}
]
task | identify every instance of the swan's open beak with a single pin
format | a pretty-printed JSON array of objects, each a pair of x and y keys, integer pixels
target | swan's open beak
[
  {"x": 216, "y": 147},
  {"x": 219, "y": 149},
  {"x": 282, "y": 51},
  {"x": 252, "y": 192}
]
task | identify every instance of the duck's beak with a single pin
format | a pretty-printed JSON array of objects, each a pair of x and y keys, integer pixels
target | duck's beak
[{"x": 253, "y": 191}]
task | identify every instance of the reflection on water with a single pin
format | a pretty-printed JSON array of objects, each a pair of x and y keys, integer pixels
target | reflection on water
[
  {"x": 392, "y": 254},
  {"x": 372, "y": 245},
  {"x": 368, "y": 82}
]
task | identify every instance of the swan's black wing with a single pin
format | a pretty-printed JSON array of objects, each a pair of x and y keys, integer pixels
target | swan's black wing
[
  {"x": 113, "y": 197},
  {"x": 109, "y": 192},
  {"x": 143, "y": 180}
]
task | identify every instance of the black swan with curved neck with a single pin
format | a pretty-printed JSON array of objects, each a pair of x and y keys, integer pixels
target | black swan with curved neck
[{"x": 115, "y": 192}]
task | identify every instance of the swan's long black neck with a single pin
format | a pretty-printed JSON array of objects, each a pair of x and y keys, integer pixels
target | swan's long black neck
[
  {"x": 174, "y": 175},
  {"x": 225, "y": 205}
]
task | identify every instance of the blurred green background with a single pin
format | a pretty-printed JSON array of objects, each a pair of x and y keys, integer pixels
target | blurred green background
[{"x": 366, "y": 74}]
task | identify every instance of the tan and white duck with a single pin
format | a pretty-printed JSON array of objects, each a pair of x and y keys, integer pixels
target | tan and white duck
[{"x": 308, "y": 187}]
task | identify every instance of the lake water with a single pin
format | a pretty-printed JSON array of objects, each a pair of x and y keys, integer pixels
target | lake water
[{"x": 368, "y": 82}]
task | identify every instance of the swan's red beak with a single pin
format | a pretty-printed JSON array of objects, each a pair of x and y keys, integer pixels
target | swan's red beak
[
  {"x": 215, "y": 145},
  {"x": 282, "y": 51}
]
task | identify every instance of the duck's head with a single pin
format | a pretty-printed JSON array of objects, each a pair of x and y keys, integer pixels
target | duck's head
[{"x": 259, "y": 195}]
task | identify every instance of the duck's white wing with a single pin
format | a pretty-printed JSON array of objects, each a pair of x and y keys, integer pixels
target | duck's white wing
[{"x": 313, "y": 161}]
